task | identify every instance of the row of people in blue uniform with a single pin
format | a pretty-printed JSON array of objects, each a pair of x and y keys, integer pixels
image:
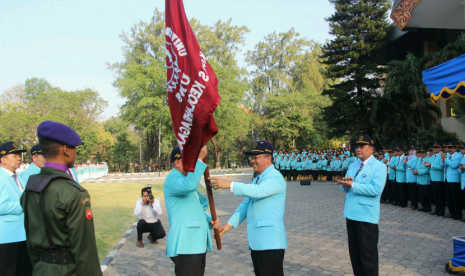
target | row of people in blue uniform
[
  {"x": 86, "y": 171},
  {"x": 426, "y": 177},
  {"x": 328, "y": 166}
]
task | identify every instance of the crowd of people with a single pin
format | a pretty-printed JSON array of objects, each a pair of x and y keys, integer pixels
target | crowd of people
[
  {"x": 81, "y": 172},
  {"x": 421, "y": 177},
  {"x": 426, "y": 177},
  {"x": 316, "y": 165}
]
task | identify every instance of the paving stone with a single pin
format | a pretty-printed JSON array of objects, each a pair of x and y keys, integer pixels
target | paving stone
[{"x": 410, "y": 243}]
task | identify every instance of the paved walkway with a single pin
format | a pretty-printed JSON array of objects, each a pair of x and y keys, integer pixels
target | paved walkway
[{"x": 410, "y": 243}]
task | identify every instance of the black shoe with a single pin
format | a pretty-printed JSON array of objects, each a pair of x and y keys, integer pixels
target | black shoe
[
  {"x": 457, "y": 218},
  {"x": 396, "y": 204},
  {"x": 427, "y": 210},
  {"x": 448, "y": 216},
  {"x": 434, "y": 213},
  {"x": 462, "y": 220},
  {"x": 401, "y": 206},
  {"x": 440, "y": 214},
  {"x": 421, "y": 209}
]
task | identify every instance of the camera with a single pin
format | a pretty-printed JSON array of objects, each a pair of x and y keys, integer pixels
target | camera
[{"x": 149, "y": 192}]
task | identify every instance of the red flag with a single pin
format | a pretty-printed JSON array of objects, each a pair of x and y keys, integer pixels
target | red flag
[{"x": 192, "y": 86}]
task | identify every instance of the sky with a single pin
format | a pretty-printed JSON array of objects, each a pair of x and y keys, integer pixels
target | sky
[{"x": 70, "y": 42}]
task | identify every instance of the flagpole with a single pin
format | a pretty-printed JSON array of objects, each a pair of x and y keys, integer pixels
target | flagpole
[{"x": 208, "y": 185}]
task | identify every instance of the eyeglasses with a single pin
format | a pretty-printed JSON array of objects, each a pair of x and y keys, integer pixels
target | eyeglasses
[{"x": 254, "y": 158}]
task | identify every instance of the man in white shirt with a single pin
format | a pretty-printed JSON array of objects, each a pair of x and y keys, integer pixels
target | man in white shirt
[{"x": 148, "y": 208}]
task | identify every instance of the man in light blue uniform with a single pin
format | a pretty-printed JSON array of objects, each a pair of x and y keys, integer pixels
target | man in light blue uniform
[
  {"x": 38, "y": 161},
  {"x": 14, "y": 257},
  {"x": 363, "y": 184},
  {"x": 263, "y": 208},
  {"x": 189, "y": 235},
  {"x": 423, "y": 180},
  {"x": 452, "y": 181},
  {"x": 401, "y": 179},
  {"x": 411, "y": 178},
  {"x": 437, "y": 180},
  {"x": 462, "y": 174}
]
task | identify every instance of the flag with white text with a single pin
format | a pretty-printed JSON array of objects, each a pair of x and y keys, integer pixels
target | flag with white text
[{"x": 192, "y": 86}]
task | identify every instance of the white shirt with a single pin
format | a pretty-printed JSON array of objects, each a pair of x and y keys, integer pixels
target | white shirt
[
  {"x": 364, "y": 164},
  {"x": 149, "y": 212}
]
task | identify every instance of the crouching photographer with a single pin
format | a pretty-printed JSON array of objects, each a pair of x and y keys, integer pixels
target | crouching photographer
[{"x": 148, "y": 209}]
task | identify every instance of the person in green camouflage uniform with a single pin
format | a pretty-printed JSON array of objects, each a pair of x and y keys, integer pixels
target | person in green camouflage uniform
[{"x": 58, "y": 218}]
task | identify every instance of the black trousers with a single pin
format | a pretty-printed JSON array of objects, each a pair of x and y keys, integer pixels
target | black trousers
[
  {"x": 395, "y": 194},
  {"x": 413, "y": 194},
  {"x": 268, "y": 262},
  {"x": 189, "y": 264},
  {"x": 439, "y": 196},
  {"x": 315, "y": 175},
  {"x": 156, "y": 230},
  {"x": 363, "y": 247},
  {"x": 387, "y": 191},
  {"x": 425, "y": 196},
  {"x": 286, "y": 174},
  {"x": 454, "y": 198},
  {"x": 14, "y": 259},
  {"x": 402, "y": 193}
]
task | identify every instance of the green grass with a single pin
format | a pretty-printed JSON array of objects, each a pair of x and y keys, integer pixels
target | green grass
[{"x": 113, "y": 208}]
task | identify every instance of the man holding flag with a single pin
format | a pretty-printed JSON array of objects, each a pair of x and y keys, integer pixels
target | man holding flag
[
  {"x": 193, "y": 97},
  {"x": 189, "y": 236}
]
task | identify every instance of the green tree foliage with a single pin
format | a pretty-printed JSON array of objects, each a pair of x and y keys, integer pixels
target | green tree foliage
[
  {"x": 141, "y": 79},
  {"x": 286, "y": 89},
  {"x": 123, "y": 151},
  {"x": 406, "y": 105},
  {"x": 359, "y": 27},
  {"x": 24, "y": 107}
]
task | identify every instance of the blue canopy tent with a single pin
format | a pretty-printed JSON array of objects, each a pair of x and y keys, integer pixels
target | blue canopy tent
[{"x": 446, "y": 79}]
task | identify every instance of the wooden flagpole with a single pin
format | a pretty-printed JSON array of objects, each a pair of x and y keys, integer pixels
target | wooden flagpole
[{"x": 211, "y": 202}]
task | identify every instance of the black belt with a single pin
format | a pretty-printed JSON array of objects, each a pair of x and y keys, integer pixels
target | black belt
[{"x": 57, "y": 257}]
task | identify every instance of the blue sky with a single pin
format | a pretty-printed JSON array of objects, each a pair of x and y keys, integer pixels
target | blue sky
[{"x": 69, "y": 42}]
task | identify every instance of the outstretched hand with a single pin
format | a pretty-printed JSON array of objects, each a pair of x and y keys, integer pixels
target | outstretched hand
[{"x": 224, "y": 229}]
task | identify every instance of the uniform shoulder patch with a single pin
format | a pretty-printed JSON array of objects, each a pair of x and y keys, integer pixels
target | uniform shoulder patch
[
  {"x": 89, "y": 214},
  {"x": 85, "y": 201}
]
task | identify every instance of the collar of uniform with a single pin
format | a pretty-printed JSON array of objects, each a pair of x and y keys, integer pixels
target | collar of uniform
[
  {"x": 271, "y": 167},
  {"x": 366, "y": 161},
  {"x": 35, "y": 166},
  {"x": 57, "y": 166},
  {"x": 51, "y": 170},
  {"x": 177, "y": 172},
  {"x": 10, "y": 173}
]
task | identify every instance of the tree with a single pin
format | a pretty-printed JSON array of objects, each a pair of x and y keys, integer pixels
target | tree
[
  {"x": 286, "y": 89},
  {"x": 24, "y": 107},
  {"x": 141, "y": 79},
  {"x": 406, "y": 105},
  {"x": 359, "y": 27},
  {"x": 123, "y": 151}
]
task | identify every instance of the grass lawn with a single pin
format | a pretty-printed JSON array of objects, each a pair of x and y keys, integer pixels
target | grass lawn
[{"x": 113, "y": 208}]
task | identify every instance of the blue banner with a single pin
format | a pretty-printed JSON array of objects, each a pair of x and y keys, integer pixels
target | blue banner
[{"x": 446, "y": 79}]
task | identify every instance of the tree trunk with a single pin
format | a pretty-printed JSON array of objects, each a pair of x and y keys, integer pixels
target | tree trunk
[
  {"x": 421, "y": 116},
  {"x": 217, "y": 152}
]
